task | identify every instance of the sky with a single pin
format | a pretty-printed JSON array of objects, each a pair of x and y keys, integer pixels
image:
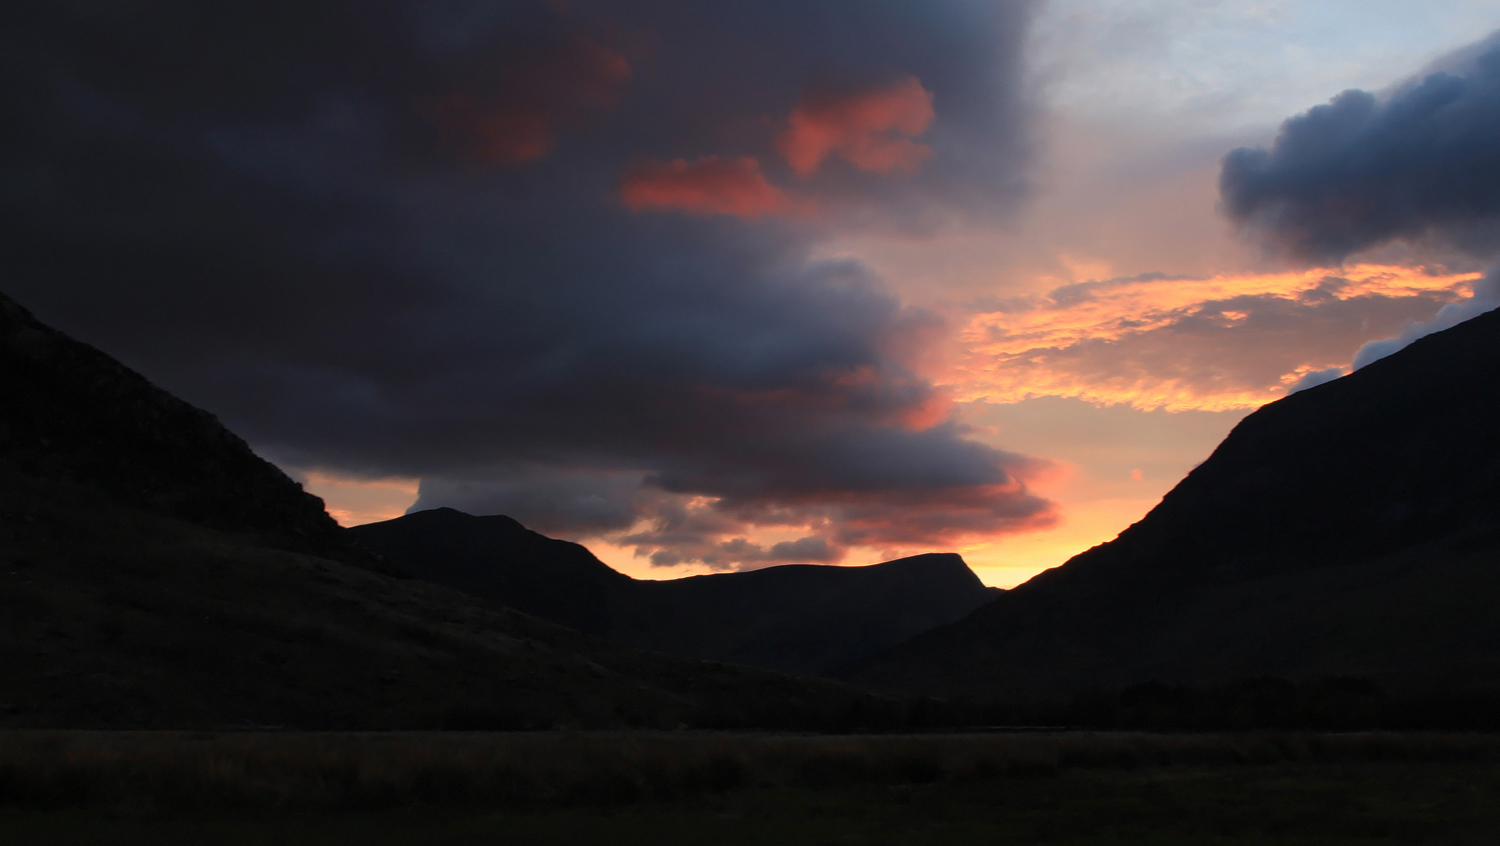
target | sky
[{"x": 724, "y": 286}]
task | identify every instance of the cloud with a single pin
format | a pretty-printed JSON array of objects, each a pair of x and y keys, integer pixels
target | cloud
[
  {"x": 1486, "y": 297},
  {"x": 682, "y": 529},
  {"x": 502, "y": 136},
  {"x": 864, "y": 128},
  {"x": 1215, "y": 344},
  {"x": 553, "y": 500},
  {"x": 707, "y": 185},
  {"x": 1362, "y": 170},
  {"x": 1314, "y": 378},
  {"x": 735, "y": 553},
  {"x": 387, "y": 240},
  {"x": 517, "y": 98}
]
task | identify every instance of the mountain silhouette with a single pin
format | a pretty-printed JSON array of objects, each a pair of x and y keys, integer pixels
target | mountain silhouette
[
  {"x": 1352, "y": 528},
  {"x": 158, "y": 574},
  {"x": 498, "y": 558},
  {"x": 73, "y": 413},
  {"x": 796, "y": 617}
]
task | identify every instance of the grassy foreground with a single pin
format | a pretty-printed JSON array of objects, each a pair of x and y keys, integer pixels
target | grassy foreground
[{"x": 688, "y": 787}]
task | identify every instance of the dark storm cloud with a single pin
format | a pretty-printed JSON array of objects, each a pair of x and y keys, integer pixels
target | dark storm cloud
[
  {"x": 389, "y": 238},
  {"x": 1362, "y": 170}
]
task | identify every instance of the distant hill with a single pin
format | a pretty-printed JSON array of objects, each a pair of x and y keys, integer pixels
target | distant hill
[
  {"x": 798, "y": 618},
  {"x": 154, "y": 573},
  {"x": 1353, "y": 529},
  {"x": 499, "y": 559}
]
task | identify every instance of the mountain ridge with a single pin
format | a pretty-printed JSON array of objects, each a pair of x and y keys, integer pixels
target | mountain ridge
[
  {"x": 155, "y": 573},
  {"x": 794, "y": 617},
  {"x": 1390, "y": 473},
  {"x": 75, "y": 412}
]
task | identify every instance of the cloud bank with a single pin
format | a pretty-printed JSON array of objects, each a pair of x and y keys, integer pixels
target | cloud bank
[
  {"x": 1217, "y": 344},
  {"x": 1486, "y": 297},
  {"x": 1422, "y": 162},
  {"x": 553, "y": 260}
]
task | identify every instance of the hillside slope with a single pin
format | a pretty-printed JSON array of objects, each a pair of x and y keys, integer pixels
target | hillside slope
[
  {"x": 154, "y": 573},
  {"x": 798, "y": 618},
  {"x": 1350, "y": 528},
  {"x": 72, "y": 412}
]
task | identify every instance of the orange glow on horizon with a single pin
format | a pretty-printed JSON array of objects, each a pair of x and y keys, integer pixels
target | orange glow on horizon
[{"x": 355, "y": 502}]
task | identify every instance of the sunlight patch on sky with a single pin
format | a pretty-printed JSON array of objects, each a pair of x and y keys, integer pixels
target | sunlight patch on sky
[
  {"x": 1132, "y": 340},
  {"x": 1013, "y": 560},
  {"x": 354, "y": 502}
]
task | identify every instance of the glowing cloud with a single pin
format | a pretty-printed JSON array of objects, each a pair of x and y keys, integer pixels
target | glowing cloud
[
  {"x": 705, "y": 186},
  {"x": 716, "y": 531},
  {"x": 1226, "y": 342},
  {"x": 862, "y": 128}
]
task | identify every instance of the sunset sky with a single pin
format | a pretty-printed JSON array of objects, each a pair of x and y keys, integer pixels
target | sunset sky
[{"x": 712, "y": 286}]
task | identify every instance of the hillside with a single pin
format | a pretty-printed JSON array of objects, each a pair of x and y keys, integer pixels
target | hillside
[
  {"x": 797, "y": 618},
  {"x": 1353, "y": 528},
  {"x": 71, "y": 412},
  {"x": 157, "y": 574}
]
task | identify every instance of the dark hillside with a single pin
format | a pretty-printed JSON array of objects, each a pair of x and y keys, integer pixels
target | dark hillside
[
  {"x": 72, "y": 412},
  {"x": 111, "y": 617},
  {"x": 1350, "y": 528},
  {"x": 801, "y": 617},
  {"x": 498, "y": 558},
  {"x": 154, "y": 573},
  {"x": 798, "y": 618}
]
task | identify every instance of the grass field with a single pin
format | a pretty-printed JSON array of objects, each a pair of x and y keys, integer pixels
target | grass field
[{"x": 709, "y": 788}]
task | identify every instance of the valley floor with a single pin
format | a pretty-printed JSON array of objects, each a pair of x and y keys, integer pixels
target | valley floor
[
  {"x": 620, "y": 788},
  {"x": 1307, "y": 803}
]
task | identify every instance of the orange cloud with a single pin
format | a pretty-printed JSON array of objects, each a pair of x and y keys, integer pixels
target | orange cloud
[
  {"x": 863, "y": 128},
  {"x": 705, "y": 186},
  {"x": 1226, "y": 342}
]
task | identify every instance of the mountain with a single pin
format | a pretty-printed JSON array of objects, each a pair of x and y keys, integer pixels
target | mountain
[
  {"x": 800, "y": 617},
  {"x": 72, "y": 412},
  {"x": 155, "y": 573},
  {"x": 797, "y": 618},
  {"x": 1349, "y": 529},
  {"x": 499, "y": 559}
]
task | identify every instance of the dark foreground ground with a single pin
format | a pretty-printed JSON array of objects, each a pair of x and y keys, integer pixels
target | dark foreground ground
[{"x": 712, "y": 788}]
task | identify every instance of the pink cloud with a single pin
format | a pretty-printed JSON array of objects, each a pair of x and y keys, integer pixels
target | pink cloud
[
  {"x": 865, "y": 129},
  {"x": 705, "y": 186},
  {"x": 726, "y": 534}
]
